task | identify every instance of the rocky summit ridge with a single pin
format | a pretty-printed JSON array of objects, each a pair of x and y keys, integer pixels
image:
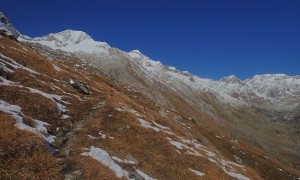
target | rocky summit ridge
[{"x": 7, "y": 26}]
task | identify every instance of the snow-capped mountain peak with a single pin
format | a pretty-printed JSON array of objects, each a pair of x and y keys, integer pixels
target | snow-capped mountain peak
[
  {"x": 136, "y": 54},
  {"x": 71, "y": 41},
  {"x": 70, "y": 36},
  {"x": 275, "y": 86},
  {"x": 7, "y": 26},
  {"x": 231, "y": 79},
  {"x": 136, "y": 51}
]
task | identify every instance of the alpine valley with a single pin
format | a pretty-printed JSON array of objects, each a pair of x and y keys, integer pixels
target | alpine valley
[{"x": 141, "y": 119}]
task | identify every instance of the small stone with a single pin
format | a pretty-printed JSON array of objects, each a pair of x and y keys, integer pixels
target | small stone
[
  {"x": 135, "y": 176},
  {"x": 238, "y": 159},
  {"x": 77, "y": 172},
  {"x": 67, "y": 152},
  {"x": 131, "y": 158},
  {"x": 120, "y": 129},
  {"x": 69, "y": 177},
  {"x": 64, "y": 166}
]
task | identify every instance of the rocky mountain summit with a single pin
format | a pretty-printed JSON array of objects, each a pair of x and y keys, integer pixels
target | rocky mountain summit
[
  {"x": 71, "y": 41},
  {"x": 192, "y": 127},
  {"x": 7, "y": 26}
]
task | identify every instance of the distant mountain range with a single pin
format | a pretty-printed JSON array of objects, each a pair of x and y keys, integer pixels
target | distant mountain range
[
  {"x": 269, "y": 87},
  {"x": 263, "y": 112}
]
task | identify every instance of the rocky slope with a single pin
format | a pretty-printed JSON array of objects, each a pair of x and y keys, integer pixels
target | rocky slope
[
  {"x": 143, "y": 104},
  {"x": 269, "y": 89},
  {"x": 7, "y": 26},
  {"x": 112, "y": 133},
  {"x": 264, "y": 106}
]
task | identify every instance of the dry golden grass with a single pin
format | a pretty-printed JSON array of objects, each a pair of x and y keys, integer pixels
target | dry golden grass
[
  {"x": 23, "y": 155},
  {"x": 28, "y": 58},
  {"x": 33, "y": 105},
  {"x": 95, "y": 170},
  {"x": 156, "y": 156}
]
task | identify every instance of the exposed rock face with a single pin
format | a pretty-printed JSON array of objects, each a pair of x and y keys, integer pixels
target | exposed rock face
[{"x": 7, "y": 26}]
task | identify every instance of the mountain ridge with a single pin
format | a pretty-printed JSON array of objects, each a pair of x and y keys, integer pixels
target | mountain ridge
[
  {"x": 74, "y": 33},
  {"x": 83, "y": 45},
  {"x": 260, "y": 113}
]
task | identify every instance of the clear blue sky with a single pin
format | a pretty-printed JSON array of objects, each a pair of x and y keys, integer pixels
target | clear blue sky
[{"x": 209, "y": 38}]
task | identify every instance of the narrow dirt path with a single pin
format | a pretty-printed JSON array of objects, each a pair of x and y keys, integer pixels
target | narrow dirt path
[{"x": 67, "y": 141}]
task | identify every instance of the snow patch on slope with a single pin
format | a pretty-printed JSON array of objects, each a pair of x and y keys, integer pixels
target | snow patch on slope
[
  {"x": 4, "y": 62},
  {"x": 103, "y": 157},
  {"x": 54, "y": 97},
  {"x": 145, "y": 176},
  {"x": 198, "y": 173},
  {"x": 16, "y": 113},
  {"x": 157, "y": 127}
]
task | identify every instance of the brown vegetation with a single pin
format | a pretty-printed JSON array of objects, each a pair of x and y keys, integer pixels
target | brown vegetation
[
  {"x": 95, "y": 170},
  {"x": 23, "y": 155}
]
